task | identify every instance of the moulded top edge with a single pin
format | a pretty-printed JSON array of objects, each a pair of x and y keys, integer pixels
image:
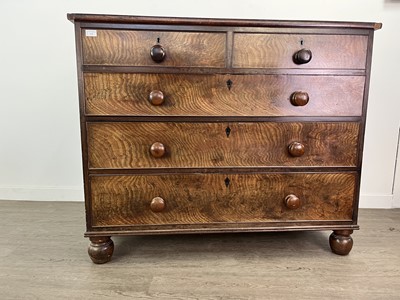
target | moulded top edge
[{"x": 97, "y": 18}]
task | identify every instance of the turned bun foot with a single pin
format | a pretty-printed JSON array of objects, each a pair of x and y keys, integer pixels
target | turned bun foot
[
  {"x": 341, "y": 241},
  {"x": 101, "y": 249}
]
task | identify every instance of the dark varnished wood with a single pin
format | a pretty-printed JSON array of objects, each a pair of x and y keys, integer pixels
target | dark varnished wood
[
  {"x": 195, "y": 49},
  {"x": 156, "y": 97},
  {"x": 157, "y": 150},
  {"x": 82, "y": 120},
  {"x": 296, "y": 149},
  {"x": 100, "y": 249},
  {"x": 211, "y": 119},
  {"x": 205, "y": 28},
  {"x": 117, "y": 19},
  {"x": 205, "y": 198},
  {"x": 141, "y": 77},
  {"x": 277, "y": 50},
  {"x": 220, "y": 170},
  {"x": 212, "y": 71},
  {"x": 157, "y": 53},
  {"x": 125, "y": 145},
  {"x": 292, "y": 201},
  {"x": 201, "y": 228},
  {"x": 208, "y": 95},
  {"x": 302, "y": 56},
  {"x": 157, "y": 204},
  {"x": 341, "y": 242},
  {"x": 299, "y": 98}
]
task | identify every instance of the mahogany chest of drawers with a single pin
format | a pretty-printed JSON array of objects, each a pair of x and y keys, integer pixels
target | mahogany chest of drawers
[{"x": 213, "y": 125}]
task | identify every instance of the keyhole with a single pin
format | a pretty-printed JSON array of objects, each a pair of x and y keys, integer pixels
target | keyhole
[
  {"x": 302, "y": 42},
  {"x": 229, "y": 84},
  {"x": 158, "y": 40},
  {"x": 227, "y": 181},
  {"x": 228, "y": 131}
]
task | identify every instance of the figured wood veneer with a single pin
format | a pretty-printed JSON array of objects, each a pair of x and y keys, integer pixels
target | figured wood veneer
[
  {"x": 205, "y": 198},
  {"x": 127, "y": 145},
  {"x": 277, "y": 50},
  {"x": 208, "y": 95},
  {"x": 122, "y": 47},
  {"x": 212, "y": 125}
]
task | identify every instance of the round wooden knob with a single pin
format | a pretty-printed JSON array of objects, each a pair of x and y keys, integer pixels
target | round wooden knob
[
  {"x": 156, "y": 97},
  {"x": 157, "y": 53},
  {"x": 299, "y": 98},
  {"x": 292, "y": 201},
  {"x": 157, "y": 150},
  {"x": 157, "y": 204},
  {"x": 296, "y": 149},
  {"x": 302, "y": 56}
]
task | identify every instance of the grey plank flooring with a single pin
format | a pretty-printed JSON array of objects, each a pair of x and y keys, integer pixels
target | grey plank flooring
[{"x": 43, "y": 256}]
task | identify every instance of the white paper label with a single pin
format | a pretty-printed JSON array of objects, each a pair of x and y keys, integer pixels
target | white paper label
[{"x": 89, "y": 32}]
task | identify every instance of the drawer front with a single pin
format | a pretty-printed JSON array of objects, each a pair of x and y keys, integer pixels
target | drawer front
[
  {"x": 207, "y": 198},
  {"x": 277, "y": 51},
  {"x": 132, "y": 48},
  {"x": 171, "y": 145},
  {"x": 209, "y": 95}
]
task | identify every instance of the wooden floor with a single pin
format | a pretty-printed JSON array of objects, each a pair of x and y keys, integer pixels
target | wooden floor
[{"x": 43, "y": 256}]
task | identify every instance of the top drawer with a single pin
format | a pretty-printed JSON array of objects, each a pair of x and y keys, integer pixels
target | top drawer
[
  {"x": 132, "y": 48},
  {"x": 253, "y": 50}
]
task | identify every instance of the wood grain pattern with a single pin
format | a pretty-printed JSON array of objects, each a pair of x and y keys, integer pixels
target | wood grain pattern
[
  {"x": 127, "y": 145},
  {"x": 200, "y": 177},
  {"x": 122, "y": 47},
  {"x": 205, "y": 198},
  {"x": 276, "y": 50},
  {"x": 208, "y": 95}
]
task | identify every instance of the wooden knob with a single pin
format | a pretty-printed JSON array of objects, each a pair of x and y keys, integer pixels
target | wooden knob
[
  {"x": 296, "y": 149},
  {"x": 292, "y": 201},
  {"x": 299, "y": 98},
  {"x": 157, "y": 53},
  {"x": 302, "y": 56},
  {"x": 157, "y": 204},
  {"x": 157, "y": 150},
  {"x": 156, "y": 97}
]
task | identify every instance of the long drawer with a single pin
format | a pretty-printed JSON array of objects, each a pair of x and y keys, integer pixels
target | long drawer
[
  {"x": 132, "y": 48},
  {"x": 213, "y": 198},
  {"x": 174, "y": 144},
  {"x": 222, "y": 95}
]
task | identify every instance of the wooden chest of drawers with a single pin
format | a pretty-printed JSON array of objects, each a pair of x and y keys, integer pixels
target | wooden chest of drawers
[{"x": 211, "y": 125}]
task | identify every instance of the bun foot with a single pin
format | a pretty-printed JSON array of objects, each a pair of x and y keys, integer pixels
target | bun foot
[
  {"x": 101, "y": 249},
  {"x": 341, "y": 242}
]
